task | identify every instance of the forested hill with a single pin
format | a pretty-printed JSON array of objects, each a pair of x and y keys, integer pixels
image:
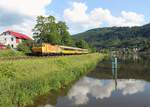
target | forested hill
[{"x": 117, "y": 37}]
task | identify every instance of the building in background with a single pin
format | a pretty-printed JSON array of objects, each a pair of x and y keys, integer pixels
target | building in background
[{"x": 11, "y": 38}]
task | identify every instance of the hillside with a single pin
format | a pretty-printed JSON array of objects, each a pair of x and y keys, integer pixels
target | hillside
[{"x": 118, "y": 37}]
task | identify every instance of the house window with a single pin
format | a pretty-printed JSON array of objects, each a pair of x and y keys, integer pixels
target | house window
[
  {"x": 12, "y": 39},
  {"x": 5, "y": 33},
  {"x": 12, "y": 46}
]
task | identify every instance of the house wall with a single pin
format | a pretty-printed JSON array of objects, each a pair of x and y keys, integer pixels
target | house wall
[{"x": 7, "y": 39}]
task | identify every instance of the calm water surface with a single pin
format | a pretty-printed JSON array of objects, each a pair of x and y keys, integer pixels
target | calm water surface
[{"x": 128, "y": 87}]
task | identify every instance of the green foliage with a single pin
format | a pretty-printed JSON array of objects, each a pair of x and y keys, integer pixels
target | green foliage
[
  {"x": 10, "y": 53},
  {"x": 82, "y": 44},
  {"x": 22, "y": 80},
  {"x": 8, "y": 47},
  {"x": 66, "y": 39},
  {"x": 92, "y": 49},
  {"x": 46, "y": 30},
  {"x": 49, "y": 31},
  {"x": 25, "y": 46},
  {"x": 117, "y": 37}
]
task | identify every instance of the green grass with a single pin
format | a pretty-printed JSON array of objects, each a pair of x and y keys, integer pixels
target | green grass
[
  {"x": 22, "y": 80},
  {"x": 10, "y": 53}
]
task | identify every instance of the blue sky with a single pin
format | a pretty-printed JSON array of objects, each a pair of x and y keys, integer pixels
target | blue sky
[
  {"x": 116, "y": 6},
  {"x": 80, "y": 15},
  {"x": 140, "y": 6}
]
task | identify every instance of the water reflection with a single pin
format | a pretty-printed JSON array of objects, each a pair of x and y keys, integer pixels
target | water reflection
[
  {"x": 131, "y": 86},
  {"x": 80, "y": 92},
  {"x": 47, "y": 105},
  {"x": 100, "y": 89}
]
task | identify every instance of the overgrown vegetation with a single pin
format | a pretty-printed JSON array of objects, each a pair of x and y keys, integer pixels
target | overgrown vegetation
[{"x": 22, "y": 80}]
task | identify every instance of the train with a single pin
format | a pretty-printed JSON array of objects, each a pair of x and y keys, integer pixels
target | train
[{"x": 49, "y": 49}]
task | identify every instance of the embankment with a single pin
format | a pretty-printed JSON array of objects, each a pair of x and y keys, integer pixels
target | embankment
[{"x": 22, "y": 80}]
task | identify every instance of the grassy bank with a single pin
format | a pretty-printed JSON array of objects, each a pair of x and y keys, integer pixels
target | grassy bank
[
  {"x": 22, "y": 80},
  {"x": 10, "y": 53}
]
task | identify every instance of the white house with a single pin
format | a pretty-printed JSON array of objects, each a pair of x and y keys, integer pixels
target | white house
[{"x": 12, "y": 38}]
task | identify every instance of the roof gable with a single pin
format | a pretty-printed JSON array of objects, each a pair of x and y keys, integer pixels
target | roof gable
[{"x": 18, "y": 35}]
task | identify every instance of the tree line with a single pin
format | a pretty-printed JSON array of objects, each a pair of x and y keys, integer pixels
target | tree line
[{"x": 118, "y": 37}]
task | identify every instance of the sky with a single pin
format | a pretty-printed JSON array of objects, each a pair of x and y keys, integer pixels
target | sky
[{"x": 79, "y": 15}]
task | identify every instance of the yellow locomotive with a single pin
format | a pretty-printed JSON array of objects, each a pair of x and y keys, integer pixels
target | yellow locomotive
[{"x": 48, "y": 49}]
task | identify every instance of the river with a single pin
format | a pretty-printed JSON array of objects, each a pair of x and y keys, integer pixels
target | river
[{"x": 129, "y": 86}]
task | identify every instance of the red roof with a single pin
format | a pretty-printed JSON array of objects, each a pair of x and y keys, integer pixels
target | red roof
[
  {"x": 19, "y": 35},
  {"x": 2, "y": 46}
]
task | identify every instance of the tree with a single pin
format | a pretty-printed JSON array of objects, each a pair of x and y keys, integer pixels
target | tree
[
  {"x": 66, "y": 38},
  {"x": 82, "y": 44},
  {"x": 47, "y": 30}
]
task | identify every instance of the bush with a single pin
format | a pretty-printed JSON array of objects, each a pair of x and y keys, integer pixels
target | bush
[
  {"x": 22, "y": 47},
  {"x": 25, "y": 46}
]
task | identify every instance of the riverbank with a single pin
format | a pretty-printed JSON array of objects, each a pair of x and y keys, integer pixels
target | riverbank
[{"x": 22, "y": 80}]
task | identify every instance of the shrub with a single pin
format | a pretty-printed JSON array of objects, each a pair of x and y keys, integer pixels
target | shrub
[{"x": 25, "y": 46}]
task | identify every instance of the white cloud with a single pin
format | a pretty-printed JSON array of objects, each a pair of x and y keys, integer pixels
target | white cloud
[
  {"x": 28, "y": 7},
  {"x": 80, "y": 93},
  {"x": 78, "y": 18},
  {"x": 131, "y": 86},
  {"x": 21, "y": 14},
  {"x": 25, "y": 27},
  {"x": 76, "y": 13},
  {"x": 88, "y": 86},
  {"x": 126, "y": 19}
]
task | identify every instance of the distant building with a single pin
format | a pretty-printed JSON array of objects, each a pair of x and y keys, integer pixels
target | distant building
[{"x": 12, "y": 39}]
